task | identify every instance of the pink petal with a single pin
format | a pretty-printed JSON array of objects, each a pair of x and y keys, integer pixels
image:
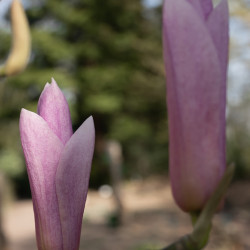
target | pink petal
[
  {"x": 195, "y": 95},
  {"x": 42, "y": 150},
  {"x": 207, "y": 7},
  {"x": 54, "y": 109},
  {"x": 196, "y": 5},
  {"x": 217, "y": 24},
  {"x": 202, "y": 7},
  {"x": 72, "y": 181}
]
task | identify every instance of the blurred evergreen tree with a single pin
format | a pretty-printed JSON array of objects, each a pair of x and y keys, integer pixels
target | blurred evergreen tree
[{"x": 107, "y": 58}]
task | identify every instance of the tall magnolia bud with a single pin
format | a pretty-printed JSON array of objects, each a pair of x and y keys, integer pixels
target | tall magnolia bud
[
  {"x": 58, "y": 164},
  {"x": 21, "y": 45},
  {"x": 195, "y": 40}
]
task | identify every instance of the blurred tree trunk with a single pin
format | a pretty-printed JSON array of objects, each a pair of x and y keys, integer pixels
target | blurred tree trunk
[{"x": 114, "y": 151}]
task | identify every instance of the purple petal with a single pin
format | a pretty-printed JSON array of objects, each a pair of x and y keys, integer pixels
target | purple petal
[
  {"x": 72, "y": 181},
  {"x": 207, "y": 7},
  {"x": 196, "y": 5},
  {"x": 217, "y": 24},
  {"x": 42, "y": 150},
  {"x": 202, "y": 7},
  {"x": 54, "y": 109},
  {"x": 195, "y": 94}
]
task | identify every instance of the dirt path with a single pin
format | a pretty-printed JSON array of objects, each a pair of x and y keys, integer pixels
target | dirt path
[{"x": 152, "y": 220}]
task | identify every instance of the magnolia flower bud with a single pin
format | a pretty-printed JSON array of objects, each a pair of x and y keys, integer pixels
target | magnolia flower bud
[
  {"x": 58, "y": 164},
  {"x": 195, "y": 39}
]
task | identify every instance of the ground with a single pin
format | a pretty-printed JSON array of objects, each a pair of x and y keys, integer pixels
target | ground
[{"x": 151, "y": 220}]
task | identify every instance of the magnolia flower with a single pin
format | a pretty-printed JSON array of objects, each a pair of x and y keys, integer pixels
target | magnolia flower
[
  {"x": 58, "y": 164},
  {"x": 195, "y": 40}
]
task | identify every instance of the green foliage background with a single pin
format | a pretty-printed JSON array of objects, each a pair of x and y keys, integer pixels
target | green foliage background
[{"x": 107, "y": 58}]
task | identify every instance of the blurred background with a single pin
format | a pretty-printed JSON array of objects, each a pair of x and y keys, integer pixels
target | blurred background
[{"x": 106, "y": 56}]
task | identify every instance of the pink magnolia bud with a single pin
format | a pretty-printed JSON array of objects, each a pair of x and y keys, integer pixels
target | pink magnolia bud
[
  {"x": 58, "y": 164},
  {"x": 195, "y": 40}
]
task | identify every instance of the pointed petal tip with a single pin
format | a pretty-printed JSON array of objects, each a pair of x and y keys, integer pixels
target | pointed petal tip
[
  {"x": 42, "y": 97},
  {"x": 46, "y": 85},
  {"x": 27, "y": 116},
  {"x": 23, "y": 110},
  {"x": 53, "y": 81},
  {"x": 90, "y": 120},
  {"x": 23, "y": 113},
  {"x": 26, "y": 113},
  {"x": 55, "y": 86},
  {"x": 89, "y": 124}
]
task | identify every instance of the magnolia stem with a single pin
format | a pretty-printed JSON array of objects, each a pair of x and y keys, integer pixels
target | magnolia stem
[
  {"x": 202, "y": 226},
  {"x": 186, "y": 242}
]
